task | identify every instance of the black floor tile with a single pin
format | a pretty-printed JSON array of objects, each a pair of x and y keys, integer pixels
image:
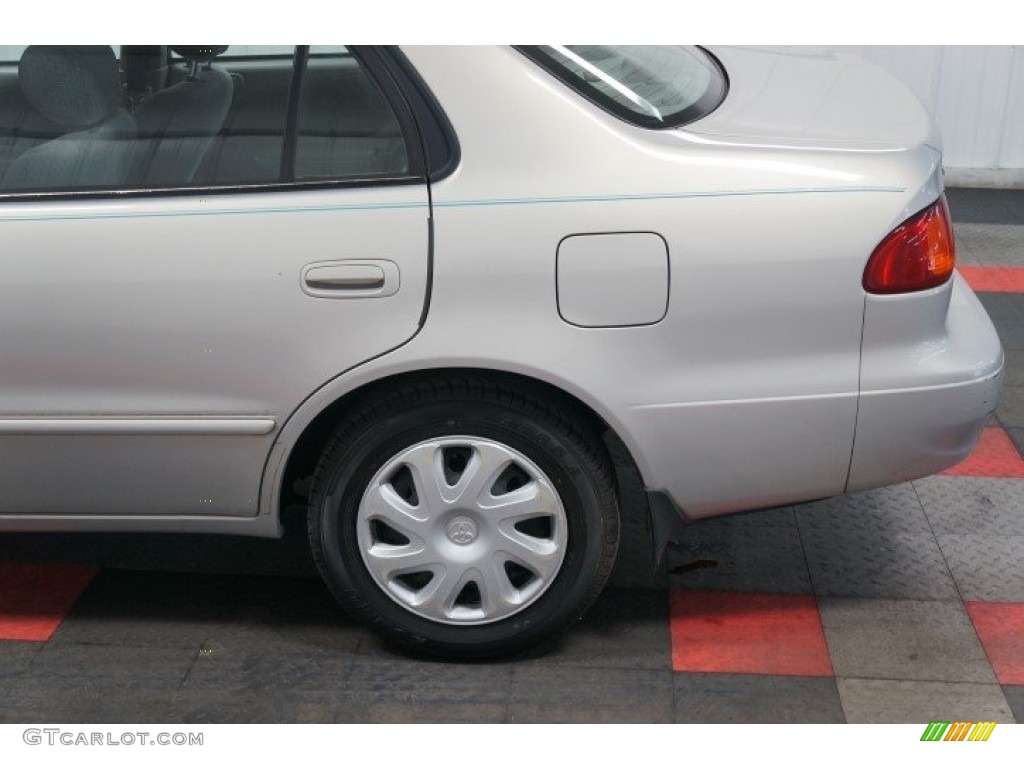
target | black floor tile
[
  {"x": 1017, "y": 436},
  {"x": 874, "y": 564},
  {"x": 626, "y": 629},
  {"x": 549, "y": 694},
  {"x": 1015, "y": 698},
  {"x": 257, "y": 673},
  {"x": 983, "y": 206},
  {"x": 1014, "y": 200},
  {"x": 718, "y": 698},
  {"x": 1011, "y": 407},
  {"x": 152, "y": 609},
  {"x": 272, "y": 707},
  {"x": 88, "y": 707},
  {"x": 742, "y": 554},
  {"x": 224, "y": 612},
  {"x": 285, "y": 615},
  {"x": 14, "y": 659},
  {"x": 1007, "y": 313}
]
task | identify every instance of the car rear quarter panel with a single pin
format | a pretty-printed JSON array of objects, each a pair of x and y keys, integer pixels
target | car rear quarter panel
[{"x": 745, "y": 394}]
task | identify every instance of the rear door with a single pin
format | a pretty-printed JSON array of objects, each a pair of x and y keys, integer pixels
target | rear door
[{"x": 178, "y": 272}]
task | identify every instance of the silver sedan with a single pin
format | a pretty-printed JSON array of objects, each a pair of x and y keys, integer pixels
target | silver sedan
[{"x": 422, "y": 291}]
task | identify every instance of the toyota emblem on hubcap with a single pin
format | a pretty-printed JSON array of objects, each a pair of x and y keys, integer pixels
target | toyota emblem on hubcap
[{"x": 462, "y": 530}]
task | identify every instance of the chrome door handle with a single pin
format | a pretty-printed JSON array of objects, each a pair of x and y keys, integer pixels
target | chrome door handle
[
  {"x": 347, "y": 277},
  {"x": 350, "y": 279}
]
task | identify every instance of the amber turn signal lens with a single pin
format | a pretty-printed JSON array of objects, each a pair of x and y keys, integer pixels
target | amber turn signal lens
[{"x": 917, "y": 255}]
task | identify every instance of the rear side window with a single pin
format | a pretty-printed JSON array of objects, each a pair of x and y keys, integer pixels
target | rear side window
[
  {"x": 123, "y": 118},
  {"x": 654, "y": 86}
]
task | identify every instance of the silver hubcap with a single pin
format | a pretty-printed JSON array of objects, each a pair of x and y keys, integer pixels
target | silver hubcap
[{"x": 462, "y": 530}]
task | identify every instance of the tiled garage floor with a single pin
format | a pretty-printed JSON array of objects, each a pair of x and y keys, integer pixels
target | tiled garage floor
[{"x": 899, "y": 605}]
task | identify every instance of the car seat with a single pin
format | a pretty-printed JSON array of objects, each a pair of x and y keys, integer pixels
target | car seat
[
  {"x": 78, "y": 88},
  {"x": 177, "y": 125}
]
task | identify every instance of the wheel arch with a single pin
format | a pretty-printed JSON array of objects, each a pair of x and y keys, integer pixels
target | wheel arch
[{"x": 304, "y": 435}]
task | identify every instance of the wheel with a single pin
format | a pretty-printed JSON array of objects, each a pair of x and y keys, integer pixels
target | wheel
[{"x": 462, "y": 517}]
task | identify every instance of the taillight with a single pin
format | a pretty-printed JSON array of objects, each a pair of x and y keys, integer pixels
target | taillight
[{"x": 917, "y": 255}]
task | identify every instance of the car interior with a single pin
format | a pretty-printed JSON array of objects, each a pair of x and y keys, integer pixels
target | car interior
[{"x": 149, "y": 117}]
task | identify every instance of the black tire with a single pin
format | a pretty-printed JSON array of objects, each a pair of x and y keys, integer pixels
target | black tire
[{"x": 556, "y": 437}]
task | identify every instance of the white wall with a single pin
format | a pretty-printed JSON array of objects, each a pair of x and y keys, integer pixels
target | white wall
[{"x": 976, "y": 94}]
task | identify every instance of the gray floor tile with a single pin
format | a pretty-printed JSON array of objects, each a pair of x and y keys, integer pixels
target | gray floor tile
[
  {"x": 742, "y": 554},
  {"x": 714, "y": 698},
  {"x": 625, "y": 629},
  {"x": 1013, "y": 372},
  {"x": 978, "y": 505},
  {"x": 986, "y": 567},
  {"x": 254, "y": 673},
  {"x": 108, "y": 668},
  {"x": 542, "y": 694},
  {"x": 995, "y": 245},
  {"x": 425, "y": 692},
  {"x": 882, "y": 512},
  {"x": 875, "y": 564},
  {"x": 965, "y": 257},
  {"x": 903, "y": 640},
  {"x": 902, "y": 701},
  {"x": 1015, "y": 697},
  {"x": 92, "y": 683}
]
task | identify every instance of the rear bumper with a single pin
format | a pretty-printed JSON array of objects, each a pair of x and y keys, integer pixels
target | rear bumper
[{"x": 929, "y": 381}]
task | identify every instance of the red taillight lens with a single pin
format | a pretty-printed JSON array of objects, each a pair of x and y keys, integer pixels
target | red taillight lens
[{"x": 917, "y": 255}]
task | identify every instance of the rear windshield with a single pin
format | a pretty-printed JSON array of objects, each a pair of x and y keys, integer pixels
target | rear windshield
[{"x": 655, "y": 86}]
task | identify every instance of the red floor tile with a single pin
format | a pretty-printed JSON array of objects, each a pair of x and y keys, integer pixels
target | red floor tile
[
  {"x": 1000, "y": 626},
  {"x": 994, "y": 456},
  {"x": 747, "y": 633},
  {"x": 35, "y": 598},
  {"x": 995, "y": 279}
]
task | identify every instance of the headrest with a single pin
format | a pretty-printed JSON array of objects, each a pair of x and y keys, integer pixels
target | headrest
[
  {"x": 200, "y": 53},
  {"x": 76, "y": 86}
]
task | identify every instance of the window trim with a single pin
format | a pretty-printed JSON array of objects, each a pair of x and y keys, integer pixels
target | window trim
[
  {"x": 703, "y": 107},
  {"x": 381, "y": 75},
  {"x": 441, "y": 147}
]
